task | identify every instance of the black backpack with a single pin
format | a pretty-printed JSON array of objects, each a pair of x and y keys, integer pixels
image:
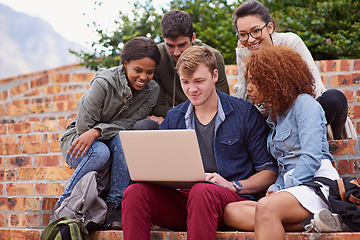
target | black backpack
[{"x": 344, "y": 198}]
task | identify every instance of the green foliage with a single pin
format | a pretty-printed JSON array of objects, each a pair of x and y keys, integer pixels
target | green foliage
[
  {"x": 329, "y": 28},
  {"x": 213, "y": 25},
  {"x": 143, "y": 22}
]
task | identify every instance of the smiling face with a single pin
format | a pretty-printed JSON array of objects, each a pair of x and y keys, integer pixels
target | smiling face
[
  {"x": 253, "y": 23},
  {"x": 139, "y": 72},
  {"x": 199, "y": 88},
  {"x": 177, "y": 46},
  {"x": 253, "y": 91}
]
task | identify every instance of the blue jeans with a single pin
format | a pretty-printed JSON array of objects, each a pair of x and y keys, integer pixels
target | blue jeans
[{"x": 96, "y": 159}]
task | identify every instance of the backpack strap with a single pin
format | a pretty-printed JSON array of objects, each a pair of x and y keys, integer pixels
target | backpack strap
[
  {"x": 341, "y": 186},
  {"x": 314, "y": 183},
  {"x": 54, "y": 228}
]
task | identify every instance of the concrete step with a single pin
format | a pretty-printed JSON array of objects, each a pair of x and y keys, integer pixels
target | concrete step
[{"x": 34, "y": 234}]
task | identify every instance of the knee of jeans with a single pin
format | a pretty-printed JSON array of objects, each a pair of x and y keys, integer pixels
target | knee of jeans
[
  {"x": 146, "y": 124},
  {"x": 202, "y": 190},
  {"x": 134, "y": 193}
]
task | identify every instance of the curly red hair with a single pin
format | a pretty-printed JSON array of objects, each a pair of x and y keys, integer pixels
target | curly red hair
[{"x": 280, "y": 75}]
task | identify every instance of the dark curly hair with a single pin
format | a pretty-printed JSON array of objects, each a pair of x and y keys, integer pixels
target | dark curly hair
[{"x": 280, "y": 75}]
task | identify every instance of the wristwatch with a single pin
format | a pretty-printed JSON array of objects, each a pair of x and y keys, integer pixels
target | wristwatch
[{"x": 237, "y": 185}]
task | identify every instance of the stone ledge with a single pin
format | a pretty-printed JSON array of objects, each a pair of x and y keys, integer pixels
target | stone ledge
[{"x": 34, "y": 234}]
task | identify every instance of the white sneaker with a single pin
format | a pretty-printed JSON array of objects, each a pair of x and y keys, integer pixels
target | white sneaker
[{"x": 325, "y": 221}]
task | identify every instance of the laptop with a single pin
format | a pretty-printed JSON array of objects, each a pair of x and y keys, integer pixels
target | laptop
[{"x": 169, "y": 158}]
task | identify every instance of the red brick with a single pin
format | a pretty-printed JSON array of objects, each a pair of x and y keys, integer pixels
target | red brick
[
  {"x": 341, "y": 147},
  {"x": 48, "y": 189},
  {"x": 3, "y": 129},
  {"x": 14, "y": 110},
  {"x": 78, "y": 96},
  {"x": 41, "y": 100},
  {"x": 23, "y": 204},
  {"x": 21, "y": 102},
  {"x": 63, "y": 97},
  {"x": 3, "y": 95},
  {"x": 358, "y": 96},
  {"x": 19, "y": 89},
  {"x": 344, "y": 65},
  {"x": 10, "y": 148},
  {"x": 341, "y": 80},
  {"x": 47, "y": 160},
  {"x": 7, "y": 139},
  {"x": 355, "y": 78},
  {"x": 232, "y": 82},
  {"x": 21, "y": 234},
  {"x": 40, "y": 108},
  {"x": 39, "y": 81},
  {"x": 2, "y": 222},
  {"x": 35, "y": 147},
  {"x": 45, "y": 126},
  {"x": 2, "y": 111},
  {"x": 356, "y": 64},
  {"x": 348, "y": 166},
  {"x": 55, "y": 147},
  {"x": 329, "y": 66},
  {"x": 55, "y": 89},
  {"x": 52, "y": 136},
  {"x": 324, "y": 79},
  {"x": 46, "y": 217},
  {"x": 74, "y": 87},
  {"x": 30, "y": 173},
  {"x": 23, "y": 220},
  {"x": 355, "y": 111},
  {"x": 2, "y": 189},
  {"x": 7, "y": 174},
  {"x": 2, "y": 163},
  {"x": 32, "y": 93},
  {"x": 231, "y": 70},
  {"x": 60, "y": 78},
  {"x": 29, "y": 138},
  {"x": 48, "y": 203},
  {"x": 17, "y": 128},
  {"x": 349, "y": 95},
  {"x": 19, "y": 189},
  {"x": 59, "y": 173},
  {"x": 65, "y": 106},
  {"x": 3, "y": 203},
  {"x": 64, "y": 123},
  {"x": 82, "y": 77},
  {"x": 19, "y": 161}
]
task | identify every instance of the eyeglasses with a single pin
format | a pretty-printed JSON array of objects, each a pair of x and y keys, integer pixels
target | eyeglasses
[{"x": 254, "y": 34}]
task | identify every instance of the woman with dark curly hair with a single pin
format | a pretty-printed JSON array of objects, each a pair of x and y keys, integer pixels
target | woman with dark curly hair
[{"x": 281, "y": 79}]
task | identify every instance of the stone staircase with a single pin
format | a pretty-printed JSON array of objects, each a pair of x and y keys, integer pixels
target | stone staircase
[{"x": 36, "y": 108}]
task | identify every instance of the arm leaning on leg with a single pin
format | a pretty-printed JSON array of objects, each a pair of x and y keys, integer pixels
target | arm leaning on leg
[{"x": 240, "y": 215}]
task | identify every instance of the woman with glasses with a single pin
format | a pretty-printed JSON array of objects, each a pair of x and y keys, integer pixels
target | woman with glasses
[{"x": 255, "y": 30}]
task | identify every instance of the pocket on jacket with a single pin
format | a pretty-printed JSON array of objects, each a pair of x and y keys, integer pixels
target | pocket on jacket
[
  {"x": 284, "y": 141},
  {"x": 230, "y": 146}
]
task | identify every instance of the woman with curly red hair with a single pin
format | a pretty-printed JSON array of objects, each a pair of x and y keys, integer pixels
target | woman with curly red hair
[{"x": 281, "y": 79}]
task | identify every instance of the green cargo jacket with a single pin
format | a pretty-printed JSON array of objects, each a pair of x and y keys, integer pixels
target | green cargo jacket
[{"x": 110, "y": 106}]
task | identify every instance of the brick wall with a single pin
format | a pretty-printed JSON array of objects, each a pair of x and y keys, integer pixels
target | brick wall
[{"x": 36, "y": 108}]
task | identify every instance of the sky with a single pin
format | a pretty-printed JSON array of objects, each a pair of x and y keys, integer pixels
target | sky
[{"x": 71, "y": 17}]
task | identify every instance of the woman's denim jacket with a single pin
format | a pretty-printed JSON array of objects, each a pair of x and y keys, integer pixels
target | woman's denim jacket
[
  {"x": 298, "y": 142},
  {"x": 240, "y": 136}
]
